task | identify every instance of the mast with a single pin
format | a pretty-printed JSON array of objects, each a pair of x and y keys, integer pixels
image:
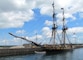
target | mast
[
  {"x": 36, "y": 37},
  {"x": 64, "y": 28},
  {"x": 74, "y": 37},
  {"x": 54, "y": 26}
]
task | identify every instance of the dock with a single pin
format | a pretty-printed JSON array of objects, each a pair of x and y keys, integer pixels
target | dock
[
  {"x": 28, "y": 50},
  {"x": 17, "y": 51}
]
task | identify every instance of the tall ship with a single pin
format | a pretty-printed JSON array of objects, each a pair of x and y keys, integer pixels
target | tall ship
[{"x": 62, "y": 46}]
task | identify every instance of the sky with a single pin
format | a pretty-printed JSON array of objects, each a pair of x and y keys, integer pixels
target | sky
[{"x": 27, "y": 17}]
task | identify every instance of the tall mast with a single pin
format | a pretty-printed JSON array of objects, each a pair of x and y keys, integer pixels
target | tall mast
[
  {"x": 53, "y": 13},
  {"x": 54, "y": 25},
  {"x": 64, "y": 28}
]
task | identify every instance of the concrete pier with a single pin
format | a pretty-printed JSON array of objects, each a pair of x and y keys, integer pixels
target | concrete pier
[{"x": 17, "y": 51}]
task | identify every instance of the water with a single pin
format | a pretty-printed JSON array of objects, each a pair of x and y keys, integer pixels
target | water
[{"x": 76, "y": 54}]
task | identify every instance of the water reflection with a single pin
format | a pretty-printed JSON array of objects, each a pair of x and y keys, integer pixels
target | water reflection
[{"x": 62, "y": 56}]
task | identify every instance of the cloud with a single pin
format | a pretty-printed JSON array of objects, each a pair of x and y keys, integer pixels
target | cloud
[
  {"x": 70, "y": 7},
  {"x": 20, "y": 3},
  {"x": 75, "y": 30},
  {"x": 9, "y": 42},
  {"x": 46, "y": 32},
  {"x": 14, "y": 13},
  {"x": 21, "y": 32},
  {"x": 59, "y": 22},
  {"x": 81, "y": 15},
  {"x": 48, "y": 23},
  {"x": 67, "y": 15},
  {"x": 45, "y": 36},
  {"x": 36, "y": 38},
  {"x": 13, "y": 41},
  {"x": 46, "y": 10},
  {"x": 15, "y": 19}
]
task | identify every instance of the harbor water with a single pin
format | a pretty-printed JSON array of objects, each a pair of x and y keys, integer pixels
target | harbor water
[{"x": 76, "y": 54}]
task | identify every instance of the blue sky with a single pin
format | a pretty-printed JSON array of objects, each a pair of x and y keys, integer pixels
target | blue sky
[{"x": 28, "y": 17}]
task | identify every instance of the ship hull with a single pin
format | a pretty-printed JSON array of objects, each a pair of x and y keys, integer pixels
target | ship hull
[{"x": 53, "y": 51}]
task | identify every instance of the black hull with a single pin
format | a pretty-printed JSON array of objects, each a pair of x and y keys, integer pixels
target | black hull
[{"x": 56, "y": 51}]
